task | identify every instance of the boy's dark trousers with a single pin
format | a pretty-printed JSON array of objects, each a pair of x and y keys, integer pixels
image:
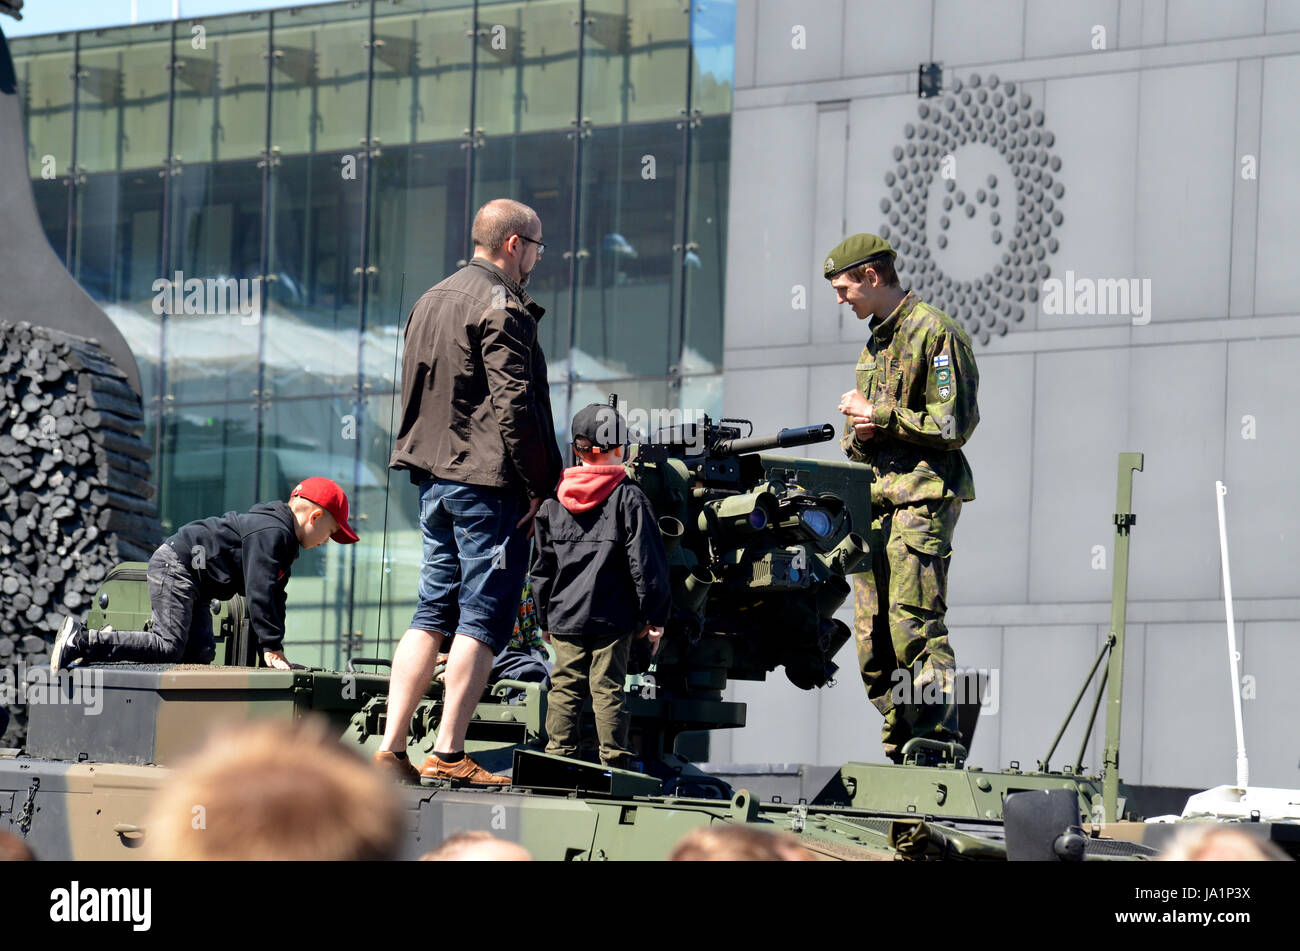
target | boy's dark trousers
[
  {"x": 595, "y": 664},
  {"x": 182, "y": 623}
]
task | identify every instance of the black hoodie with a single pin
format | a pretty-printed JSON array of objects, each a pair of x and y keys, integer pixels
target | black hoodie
[
  {"x": 598, "y": 561},
  {"x": 248, "y": 554}
]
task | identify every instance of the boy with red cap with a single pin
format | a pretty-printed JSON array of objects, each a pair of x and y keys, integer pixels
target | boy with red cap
[
  {"x": 219, "y": 557},
  {"x": 600, "y": 578}
]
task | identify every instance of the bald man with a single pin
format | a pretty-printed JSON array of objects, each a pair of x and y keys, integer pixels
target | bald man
[{"x": 478, "y": 437}]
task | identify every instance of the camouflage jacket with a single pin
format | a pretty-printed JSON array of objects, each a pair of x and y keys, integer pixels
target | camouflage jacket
[{"x": 918, "y": 373}]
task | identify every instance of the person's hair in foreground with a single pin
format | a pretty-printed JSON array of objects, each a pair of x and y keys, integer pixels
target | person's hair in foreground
[
  {"x": 477, "y": 847},
  {"x": 275, "y": 790},
  {"x": 737, "y": 843},
  {"x": 1216, "y": 842}
]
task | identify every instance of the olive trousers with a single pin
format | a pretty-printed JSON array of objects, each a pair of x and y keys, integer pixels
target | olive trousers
[{"x": 592, "y": 666}]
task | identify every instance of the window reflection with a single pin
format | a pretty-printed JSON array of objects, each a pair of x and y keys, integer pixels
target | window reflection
[
  {"x": 312, "y": 284},
  {"x": 219, "y": 110},
  {"x": 44, "y": 66},
  {"x": 635, "y": 57},
  {"x": 318, "y": 100},
  {"x": 627, "y": 286},
  {"x": 423, "y": 78},
  {"x": 216, "y": 234},
  {"x": 527, "y": 74},
  {"x": 123, "y": 88},
  {"x": 627, "y": 166}
]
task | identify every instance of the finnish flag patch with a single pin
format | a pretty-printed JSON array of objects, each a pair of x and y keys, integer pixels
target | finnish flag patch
[{"x": 941, "y": 360}]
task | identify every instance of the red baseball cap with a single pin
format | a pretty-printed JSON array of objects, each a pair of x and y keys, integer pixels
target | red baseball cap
[{"x": 327, "y": 494}]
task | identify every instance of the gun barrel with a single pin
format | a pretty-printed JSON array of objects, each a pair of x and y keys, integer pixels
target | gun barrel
[{"x": 795, "y": 436}]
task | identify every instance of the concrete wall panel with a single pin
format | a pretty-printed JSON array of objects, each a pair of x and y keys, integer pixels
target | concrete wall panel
[
  {"x": 1081, "y": 408},
  {"x": 1190, "y": 20},
  {"x": 991, "y": 547},
  {"x": 1065, "y": 29},
  {"x": 767, "y": 253},
  {"x": 1186, "y": 176},
  {"x": 967, "y": 33},
  {"x": 1277, "y": 279},
  {"x": 798, "y": 41}
]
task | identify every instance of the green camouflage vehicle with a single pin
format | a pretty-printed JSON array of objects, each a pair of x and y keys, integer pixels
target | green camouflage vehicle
[{"x": 759, "y": 546}]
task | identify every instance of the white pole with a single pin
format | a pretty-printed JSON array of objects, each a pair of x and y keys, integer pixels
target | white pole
[
  {"x": 1243, "y": 769},
  {"x": 135, "y": 11},
  {"x": 176, "y": 9}
]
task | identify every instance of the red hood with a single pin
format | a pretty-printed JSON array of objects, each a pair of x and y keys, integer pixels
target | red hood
[{"x": 585, "y": 487}]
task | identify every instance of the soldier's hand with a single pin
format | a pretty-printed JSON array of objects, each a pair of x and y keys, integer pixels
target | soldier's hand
[
  {"x": 853, "y": 403},
  {"x": 276, "y": 660},
  {"x": 863, "y": 428}
]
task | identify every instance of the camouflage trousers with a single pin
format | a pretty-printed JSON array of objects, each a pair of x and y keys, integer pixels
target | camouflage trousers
[{"x": 906, "y": 661}]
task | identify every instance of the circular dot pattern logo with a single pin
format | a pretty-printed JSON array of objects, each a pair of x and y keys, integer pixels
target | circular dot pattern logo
[{"x": 1021, "y": 213}]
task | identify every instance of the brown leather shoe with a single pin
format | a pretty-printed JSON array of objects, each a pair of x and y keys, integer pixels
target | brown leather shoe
[
  {"x": 466, "y": 771},
  {"x": 402, "y": 770}
]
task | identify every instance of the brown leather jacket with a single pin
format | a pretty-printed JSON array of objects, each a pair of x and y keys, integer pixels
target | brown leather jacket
[{"x": 476, "y": 406}]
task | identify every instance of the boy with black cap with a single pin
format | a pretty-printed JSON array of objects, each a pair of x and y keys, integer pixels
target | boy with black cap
[
  {"x": 219, "y": 557},
  {"x": 600, "y": 578}
]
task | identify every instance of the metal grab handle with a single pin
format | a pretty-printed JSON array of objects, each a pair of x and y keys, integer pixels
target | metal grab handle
[
  {"x": 130, "y": 836},
  {"x": 367, "y": 660},
  {"x": 501, "y": 686}
]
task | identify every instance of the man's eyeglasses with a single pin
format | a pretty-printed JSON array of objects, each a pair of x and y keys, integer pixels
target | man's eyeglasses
[{"x": 541, "y": 246}]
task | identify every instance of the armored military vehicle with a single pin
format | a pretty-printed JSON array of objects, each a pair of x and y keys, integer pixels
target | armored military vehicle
[
  {"x": 760, "y": 548},
  {"x": 760, "y": 545}
]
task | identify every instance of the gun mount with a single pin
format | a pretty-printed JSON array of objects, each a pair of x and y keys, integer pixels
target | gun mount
[{"x": 758, "y": 547}]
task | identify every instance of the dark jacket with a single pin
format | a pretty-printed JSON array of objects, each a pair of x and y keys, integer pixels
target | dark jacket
[
  {"x": 476, "y": 406},
  {"x": 598, "y": 561},
  {"x": 248, "y": 554}
]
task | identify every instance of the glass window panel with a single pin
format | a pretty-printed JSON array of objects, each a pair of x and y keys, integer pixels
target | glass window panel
[
  {"x": 645, "y": 403},
  {"x": 418, "y": 228},
  {"x": 219, "y": 111},
  {"x": 704, "y": 264},
  {"x": 627, "y": 290},
  {"x": 527, "y": 74},
  {"x": 44, "y": 65},
  {"x": 310, "y": 343},
  {"x": 713, "y": 60},
  {"x": 537, "y": 170},
  {"x": 303, "y": 438},
  {"x": 117, "y": 257},
  {"x": 216, "y": 235},
  {"x": 206, "y": 462},
  {"x": 422, "y": 71},
  {"x": 703, "y": 394},
  {"x": 318, "y": 100},
  {"x": 381, "y": 615},
  {"x": 124, "y": 88},
  {"x": 635, "y": 60}
]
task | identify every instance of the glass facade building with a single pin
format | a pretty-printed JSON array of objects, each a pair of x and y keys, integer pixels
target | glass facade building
[{"x": 332, "y": 157}]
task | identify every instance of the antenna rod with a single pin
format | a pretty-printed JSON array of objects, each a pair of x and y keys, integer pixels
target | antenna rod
[
  {"x": 388, "y": 472},
  {"x": 1243, "y": 768}
]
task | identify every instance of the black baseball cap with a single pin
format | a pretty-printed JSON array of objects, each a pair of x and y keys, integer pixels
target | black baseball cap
[{"x": 600, "y": 424}]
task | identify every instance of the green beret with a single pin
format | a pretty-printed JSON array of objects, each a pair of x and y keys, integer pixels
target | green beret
[{"x": 854, "y": 250}]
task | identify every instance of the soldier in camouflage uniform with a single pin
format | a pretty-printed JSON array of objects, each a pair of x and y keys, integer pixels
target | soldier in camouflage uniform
[{"x": 913, "y": 409}]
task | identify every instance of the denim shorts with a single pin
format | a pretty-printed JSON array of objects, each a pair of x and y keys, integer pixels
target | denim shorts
[{"x": 475, "y": 561}]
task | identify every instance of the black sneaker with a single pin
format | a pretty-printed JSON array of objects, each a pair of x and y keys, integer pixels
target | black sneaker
[{"x": 69, "y": 646}]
